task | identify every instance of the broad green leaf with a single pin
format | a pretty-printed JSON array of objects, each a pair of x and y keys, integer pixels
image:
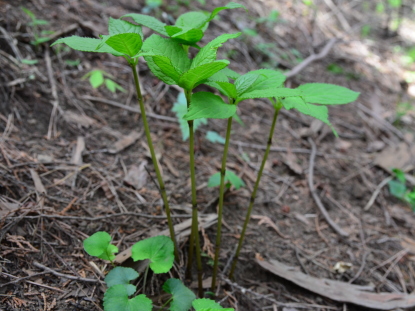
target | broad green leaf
[
  {"x": 159, "y": 250},
  {"x": 274, "y": 92},
  {"x": 261, "y": 79},
  {"x": 162, "y": 68},
  {"x": 118, "y": 26},
  {"x": 116, "y": 299},
  {"x": 125, "y": 43},
  {"x": 182, "y": 296},
  {"x": 230, "y": 73},
  {"x": 230, "y": 178},
  {"x": 208, "y": 53},
  {"x": 86, "y": 45},
  {"x": 122, "y": 275},
  {"x": 230, "y": 5},
  {"x": 193, "y": 20},
  {"x": 99, "y": 245},
  {"x": 214, "y": 137},
  {"x": 149, "y": 22},
  {"x": 208, "y": 105},
  {"x": 397, "y": 189},
  {"x": 96, "y": 78},
  {"x": 204, "y": 304},
  {"x": 186, "y": 35},
  {"x": 327, "y": 94},
  {"x": 228, "y": 89},
  {"x": 180, "y": 108},
  {"x": 167, "y": 47},
  {"x": 195, "y": 76},
  {"x": 319, "y": 112}
]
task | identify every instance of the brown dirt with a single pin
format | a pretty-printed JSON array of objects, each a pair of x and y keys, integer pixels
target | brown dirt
[{"x": 345, "y": 173}]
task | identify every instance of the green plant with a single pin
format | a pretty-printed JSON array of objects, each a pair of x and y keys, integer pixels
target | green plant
[
  {"x": 40, "y": 36},
  {"x": 167, "y": 56},
  {"x": 100, "y": 77},
  {"x": 398, "y": 189},
  {"x": 158, "y": 251}
]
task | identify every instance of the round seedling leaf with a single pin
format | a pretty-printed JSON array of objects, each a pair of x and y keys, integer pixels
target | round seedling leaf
[
  {"x": 182, "y": 296},
  {"x": 116, "y": 299},
  {"x": 159, "y": 250},
  {"x": 122, "y": 275},
  {"x": 99, "y": 245}
]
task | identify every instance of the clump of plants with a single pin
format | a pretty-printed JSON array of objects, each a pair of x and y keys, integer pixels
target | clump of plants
[{"x": 167, "y": 55}]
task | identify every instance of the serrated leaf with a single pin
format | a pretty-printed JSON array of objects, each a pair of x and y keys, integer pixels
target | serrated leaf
[
  {"x": 116, "y": 299},
  {"x": 204, "y": 304},
  {"x": 208, "y": 53},
  {"x": 159, "y": 250},
  {"x": 209, "y": 106},
  {"x": 122, "y": 275},
  {"x": 193, "y": 20},
  {"x": 126, "y": 43},
  {"x": 274, "y": 92},
  {"x": 214, "y": 137},
  {"x": 180, "y": 108},
  {"x": 162, "y": 68},
  {"x": 230, "y": 73},
  {"x": 228, "y": 89},
  {"x": 182, "y": 296},
  {"x": 191, "y": 78},
  {"x": 327, "y": 94},
  {"x": 118, "y": 26},
  {"x": 96, "y": 79},
  {"x": 149, "y": 22},
  {"x": 261, "y": 79},
  {"x": 230, "y": 177},
  {"x": 86, "y": 45},
  {"x": 99, "y": 245},
  {"x": 230, "y": 5},
  {"x": 170, "y": 49},
  {"x": 186, "y": 35}
]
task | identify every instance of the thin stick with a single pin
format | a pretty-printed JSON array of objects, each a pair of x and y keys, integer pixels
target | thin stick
[
  {"x": 67, "y": 276},
  {"x": 220, "y": 208},
  {"x": 194, "y": 236},
  {"x": 153, "y": 157},
  {"x": 316, "y": 198},
  {"x": 376, "y": 193},
  {"x": 254, "y": 191}
]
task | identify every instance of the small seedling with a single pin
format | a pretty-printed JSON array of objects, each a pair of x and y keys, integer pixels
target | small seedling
[
  {"x": 398, "y": 189},
  {"x": 100, "y": 77},
  {"x": 40, "y": 36},
  {"x": 159, "y": 252}
]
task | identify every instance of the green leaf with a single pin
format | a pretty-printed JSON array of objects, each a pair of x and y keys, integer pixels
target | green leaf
[
  {"x": 397, "y": 189},
  {"x": 149, "y": 22},
  {"x": 208, "y": 53},
  {"x": 119, "y": 26},
  {"x": 98, "y": 245},
  {"x": 113, "y": 86},
  {"x": 327, "y": 94},
  {"x": 126, "y": 43},
  {"x": 122, "y": 275},
  {"x": 191, "y": 78},
  {"x": 180, "y": 108},
  {"x": 274, "y": 92},
  {"x": 182, "y": 296},
  {"x": 214, "y": 137},
  {"x": 261, "y": 79},
  {"x": 162, "y": 68},
  {"x": 116, "y": 299},
  {"x": 159, "y": 250},
  {"x": 86, "y": 45},
  {"x": 204, "y": 304},
  {"x": 230, "y": 73},
  {"x": 208, "y": 105},
  {"x": 29, "y": 61},
  {"x": 167, "y": 47},
  {"x": 228, "y": 89},
  {"x": 28, "y": 12},
  {"x": 186, "y": 36},
  {"x": 193, "y": 20},
  {"x": 96, "y": 78},
  {"x": 230, "y": 5},
  {"x": 230, "y": 178},
  {"x": 400, "y": 175}
]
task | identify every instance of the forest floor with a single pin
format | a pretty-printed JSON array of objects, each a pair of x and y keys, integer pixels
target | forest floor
[{"x": 73, "y": 163}]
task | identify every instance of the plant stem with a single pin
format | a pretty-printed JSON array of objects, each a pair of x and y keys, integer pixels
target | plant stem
[
  {"x": 155, "y": 162},
  {"x": 194, "y": 236},
  {"x": 221, "y": 198},
  {"x": 278, "y": 107}
]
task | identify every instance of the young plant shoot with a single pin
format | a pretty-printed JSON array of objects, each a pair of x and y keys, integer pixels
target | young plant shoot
[{"x": 126, "y": 39}]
